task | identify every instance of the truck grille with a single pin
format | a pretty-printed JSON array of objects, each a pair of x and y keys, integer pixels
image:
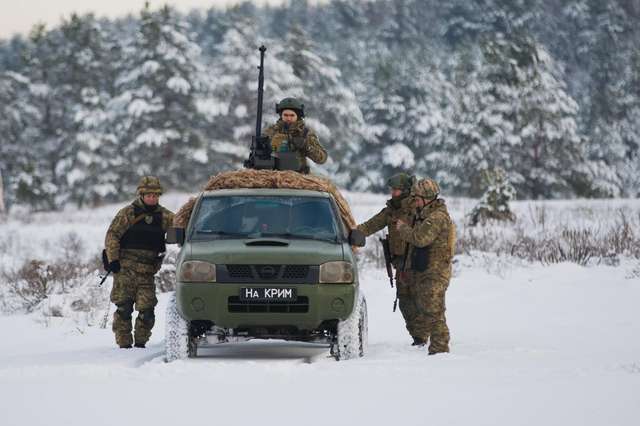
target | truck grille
[
  {"x": 300, "y": 306},
  {"x": 240, "y": 271},
  {"x": 272, "y": 274}
]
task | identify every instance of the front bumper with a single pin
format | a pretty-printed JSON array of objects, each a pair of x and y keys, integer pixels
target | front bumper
[{"x": 218, "y": 303}]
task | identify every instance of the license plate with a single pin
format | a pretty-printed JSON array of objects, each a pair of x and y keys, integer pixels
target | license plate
[{"x": 268, "y": 294}]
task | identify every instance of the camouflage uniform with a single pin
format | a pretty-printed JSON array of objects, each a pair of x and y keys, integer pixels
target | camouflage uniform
[
  {"x": 397, "y": 208},
  {"x": 136, "y": 247},
  {"x": 305, "y": 137},
  {"x": 432, "y": 241}
]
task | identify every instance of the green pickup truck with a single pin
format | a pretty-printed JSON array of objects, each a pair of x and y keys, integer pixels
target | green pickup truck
[{"x": 266, "y": 264}]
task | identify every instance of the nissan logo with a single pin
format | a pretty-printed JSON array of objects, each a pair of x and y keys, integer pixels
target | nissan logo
[{"x": 268, "y": 272}]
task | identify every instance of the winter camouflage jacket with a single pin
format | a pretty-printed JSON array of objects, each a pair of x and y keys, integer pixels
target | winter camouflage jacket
[
  {"x": 123, "y": 222},
  {"x": 388, "y": 216},
  {"x": 432, "y": 241},
  {"x": 298, "y": 130}
]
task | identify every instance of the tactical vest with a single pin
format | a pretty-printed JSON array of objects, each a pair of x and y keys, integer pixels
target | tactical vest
[
  {"x": 441, "y": 250},
  {"x": 280, "y": 136},
  {"x": 146, "y": 234}
]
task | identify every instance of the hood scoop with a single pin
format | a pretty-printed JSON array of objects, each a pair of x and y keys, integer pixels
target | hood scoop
[{"x": 261, "y": 242}]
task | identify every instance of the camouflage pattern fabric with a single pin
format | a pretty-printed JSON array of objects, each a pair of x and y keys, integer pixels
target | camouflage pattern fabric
[
  {"x": 427, "y": 315},
  {"x": 425, "y": 188},
  {"x": 149, "y": 185},
  {"x": 123, "y": 221},
  {"x": 407, "y": 305},
  {"x": 396, "y": 208},
  {"x": 435, "y": 232},
  {"x": 313, "y": 149},
  {"x": 133, "y": 286}
]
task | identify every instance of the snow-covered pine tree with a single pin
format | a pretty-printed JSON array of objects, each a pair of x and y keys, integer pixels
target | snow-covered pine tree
[
  {"x": 407, "y": 106},
  {"x": 611, "y": 38},
  {"x": 92, "y": 58},
  {"x": 516, "y": 114},
  {"x": 494, "y": 203},
  {"x": 16, "y": 116},
  {"x": 331, "y": 107},
  {"x": 155, "y": 111},
  {"x": 47, "y": 147},
  {"x": 546, "y": 156}
]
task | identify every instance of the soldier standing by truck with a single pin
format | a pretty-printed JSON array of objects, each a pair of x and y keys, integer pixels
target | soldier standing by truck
[
  {"x": 290, "y": 133},
  {"x": 134, "y": 251},
  {"x": 431, "y": 243},
  {"x": 398, "y": 207}
]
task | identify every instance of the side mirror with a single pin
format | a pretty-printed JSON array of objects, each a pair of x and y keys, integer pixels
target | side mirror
[
  {"x": 175, "y": 236},
  {"x": 357, "y": 238}
]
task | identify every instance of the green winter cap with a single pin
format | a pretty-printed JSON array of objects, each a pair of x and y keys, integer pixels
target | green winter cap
[
  {"x": 292, "y": 104},
  {"x": 402, "y": 181}
]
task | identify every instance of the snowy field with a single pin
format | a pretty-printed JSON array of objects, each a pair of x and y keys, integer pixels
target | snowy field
[{"x": 531, "y": 345}]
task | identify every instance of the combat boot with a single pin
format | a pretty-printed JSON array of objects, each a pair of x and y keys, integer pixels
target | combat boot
[
  {"x": 418, "y": 341},
  {"x": 139, "y": 345},
  {"x": 124, "y": 341}
]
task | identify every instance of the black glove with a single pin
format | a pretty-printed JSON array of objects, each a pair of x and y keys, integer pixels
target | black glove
[
  {"x": 300, "y": 143},
  {"x": 114, "y": 266}
]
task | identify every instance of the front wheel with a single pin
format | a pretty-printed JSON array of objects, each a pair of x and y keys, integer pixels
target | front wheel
[
  {"x": 352, "y": 334},
  {"x": 178, "y": 341}
]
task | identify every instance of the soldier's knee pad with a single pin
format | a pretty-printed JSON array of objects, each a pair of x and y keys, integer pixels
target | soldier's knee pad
[
  {"x": 125, "y": 310},
  {"x": 147, "y": 316}
]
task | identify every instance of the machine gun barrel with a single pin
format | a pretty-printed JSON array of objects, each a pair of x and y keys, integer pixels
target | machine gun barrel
[
  {"x": 260, "y": 154},
  {"x": 262, "y": 49}
]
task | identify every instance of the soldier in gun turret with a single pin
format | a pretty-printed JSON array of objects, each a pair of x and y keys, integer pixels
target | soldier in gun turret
[
  {"x": 290, "y": 133},
  {"x": 134, "y": 248},
  {"x": 398, "y": 207}
]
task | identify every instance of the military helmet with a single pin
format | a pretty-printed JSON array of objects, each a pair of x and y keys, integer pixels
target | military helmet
[
  {"x": 425, "y": 188},
  {"x": 292, "y": 104},
  {"x": 149, "y": 184},
  {"x": 401, "y": 181}
]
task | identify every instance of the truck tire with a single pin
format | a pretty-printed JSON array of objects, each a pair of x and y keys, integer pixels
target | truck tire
[
  {"x": 178, "y": 342},
  {"x": 352, "y": 334}
]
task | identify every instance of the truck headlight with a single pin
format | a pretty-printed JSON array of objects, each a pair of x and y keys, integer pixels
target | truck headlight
[
  {"x": 336, "y": 272},
  {"x": 196, "y": 271}
]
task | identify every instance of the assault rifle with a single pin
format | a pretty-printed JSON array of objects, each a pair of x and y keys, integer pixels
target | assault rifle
[
  {"x": 386, "y": 249},
  {"x": 261, "y": 156}
]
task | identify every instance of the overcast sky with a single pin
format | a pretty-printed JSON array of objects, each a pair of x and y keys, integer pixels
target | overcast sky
[{"x": 18, "y": 16}]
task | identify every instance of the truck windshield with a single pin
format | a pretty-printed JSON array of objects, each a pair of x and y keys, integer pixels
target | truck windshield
[{"x": 293, "y": 217}]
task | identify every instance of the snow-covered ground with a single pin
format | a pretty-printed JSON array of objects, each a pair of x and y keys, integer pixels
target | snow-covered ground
[{"x": 533, "y": 344}]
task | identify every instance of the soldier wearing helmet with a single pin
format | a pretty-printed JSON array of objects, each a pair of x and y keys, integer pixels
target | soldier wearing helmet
[
  {"x": 135, "y": 247},
  {"x": 399, "y": 207},
  {"x": 290, "y": 133},
  {"x": 431, "y": 244}
]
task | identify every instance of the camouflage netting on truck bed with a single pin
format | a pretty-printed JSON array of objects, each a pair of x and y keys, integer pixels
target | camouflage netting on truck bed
[{"x": 269, "y": 179}]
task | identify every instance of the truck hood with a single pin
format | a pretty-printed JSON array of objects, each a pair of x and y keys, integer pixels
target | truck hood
[{"x": 265, "y": 251}]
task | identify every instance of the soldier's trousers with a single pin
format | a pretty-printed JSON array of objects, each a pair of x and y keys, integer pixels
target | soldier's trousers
[
  {"x": 133, "y": 287},
  {"x": 427, "y": 319},
  {"x": 407, "y": 304}
]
